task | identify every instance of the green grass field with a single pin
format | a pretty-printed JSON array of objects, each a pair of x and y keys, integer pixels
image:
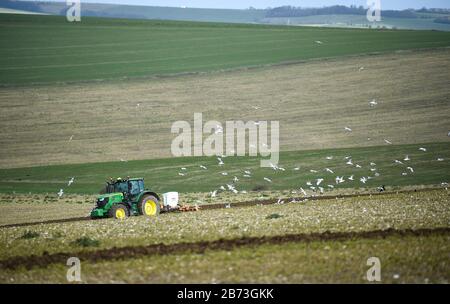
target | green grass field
[
  {"x": 46, "y": 49},
  {"x": 163, "y": 174}
]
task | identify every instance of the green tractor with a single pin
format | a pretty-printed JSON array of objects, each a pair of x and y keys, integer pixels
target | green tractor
[{"x": 125, "y": 197}]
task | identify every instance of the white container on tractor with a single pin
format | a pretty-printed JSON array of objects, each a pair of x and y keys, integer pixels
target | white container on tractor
[{"x": 170, "y": 200}]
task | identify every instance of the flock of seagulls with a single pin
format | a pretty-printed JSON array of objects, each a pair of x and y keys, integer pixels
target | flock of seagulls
[
  {"x": 365, "y": 173},
  {"x": 316, "y": 185}
]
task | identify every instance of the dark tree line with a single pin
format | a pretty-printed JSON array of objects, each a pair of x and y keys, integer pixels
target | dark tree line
[
  {"x": 291, "y": 11},
  {"x": 444, "y": 20}
]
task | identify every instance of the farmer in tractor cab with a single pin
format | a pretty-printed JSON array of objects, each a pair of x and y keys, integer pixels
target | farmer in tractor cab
[{"x": 134, "y": 188}]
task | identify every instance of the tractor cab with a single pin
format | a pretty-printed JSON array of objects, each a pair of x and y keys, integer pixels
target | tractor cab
[
  {"x": 130, "y": 188},
  {"x": 125, "y": 197}
]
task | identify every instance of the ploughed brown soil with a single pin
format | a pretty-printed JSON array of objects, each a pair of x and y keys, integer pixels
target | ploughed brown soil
[
  {"x": 199, "y": 247},
  {"x": 313, "y": 101},
  {"x": 232, "y": 205}
]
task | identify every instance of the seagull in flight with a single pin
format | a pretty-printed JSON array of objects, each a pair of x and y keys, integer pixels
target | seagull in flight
[
  {"x": 373, "y": 103},
  {"x": 329, "y": 170},
  {"x": 406, "y": 158},
  {"x": 267, "y": 179},
  {"x": 423, "y": 149},
  {"x": 318, "y": 42},
  {"x": 348, "y": 129},
  {"x": 71, "y": 181},
  {"x": 388, "y": 142},
  {"x": 339, "y": 179},
  {"x": 203, "y": 167},
  {"x": 60, "y": 193},
  {"x": 303, "y": 191}
]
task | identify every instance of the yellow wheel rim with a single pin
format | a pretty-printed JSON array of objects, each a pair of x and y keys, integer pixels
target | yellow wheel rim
[
  {"x": 120, "y": 213},
  {"x": 150, "y": 208}
]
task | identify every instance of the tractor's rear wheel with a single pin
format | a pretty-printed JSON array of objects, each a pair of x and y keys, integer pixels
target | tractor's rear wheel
[
  {"x": 119, "y": 211},
  {"x": 149, "y": 206}
]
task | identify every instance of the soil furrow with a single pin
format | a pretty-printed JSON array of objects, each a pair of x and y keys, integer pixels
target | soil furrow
[{"x": 130, "y": 252}]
